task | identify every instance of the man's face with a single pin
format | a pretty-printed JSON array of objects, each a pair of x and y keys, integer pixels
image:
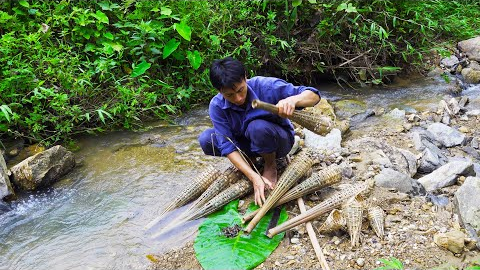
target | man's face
[{"x": 237, "y": 94}]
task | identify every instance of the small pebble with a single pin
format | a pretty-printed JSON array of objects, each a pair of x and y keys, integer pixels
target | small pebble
[
  {"x": 295, "y": 240},
  {"x": 361, "y": 262}
]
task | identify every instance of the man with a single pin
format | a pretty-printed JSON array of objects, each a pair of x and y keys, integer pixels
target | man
[{"x": 256, "y": 132}]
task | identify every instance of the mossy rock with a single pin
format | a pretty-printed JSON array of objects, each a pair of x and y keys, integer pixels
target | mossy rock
[{"x": 347, "y": 108}]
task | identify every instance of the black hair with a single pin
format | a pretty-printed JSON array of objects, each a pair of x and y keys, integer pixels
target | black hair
[{"x": 226, "y": 72}]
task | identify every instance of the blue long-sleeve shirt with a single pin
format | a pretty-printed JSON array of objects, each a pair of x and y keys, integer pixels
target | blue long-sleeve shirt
[{"x": 230, "y": 120}]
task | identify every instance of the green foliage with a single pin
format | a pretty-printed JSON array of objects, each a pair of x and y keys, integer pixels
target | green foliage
[
  {"x": 244, "y": 251},
  {"x": 392, "y": 263},
  {"x": 71, "y": 67}
]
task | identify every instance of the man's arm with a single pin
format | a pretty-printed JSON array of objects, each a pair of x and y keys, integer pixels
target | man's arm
[
  {"x": 305, "y": 99},
  {"x": 257, "y": 180}
]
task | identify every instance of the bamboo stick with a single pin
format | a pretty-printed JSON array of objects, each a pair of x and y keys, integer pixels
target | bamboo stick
[{"x": 313, "y": 237}]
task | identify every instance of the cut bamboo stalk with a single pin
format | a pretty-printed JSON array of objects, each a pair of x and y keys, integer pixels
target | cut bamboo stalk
[
  {"x": 228, "y": 177},
  {"x": 294, "y": 171},
  {"x": 313, "y": 237},
  {"x": 316, "y": 123},
  {"x": 198, "y": 185},
  {"x": 322, "y": 208},
  {"x": 235, "y": 191},
  {"x": 324, "y": 178}
]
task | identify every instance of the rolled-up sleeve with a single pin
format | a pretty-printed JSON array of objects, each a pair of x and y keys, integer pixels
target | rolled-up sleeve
[{"x": 223, "y": 132}]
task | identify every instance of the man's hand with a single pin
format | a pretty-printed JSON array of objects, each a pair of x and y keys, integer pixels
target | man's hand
[
  {"x": 259, "y": 183},
  {"x": 286, "y": 107}
]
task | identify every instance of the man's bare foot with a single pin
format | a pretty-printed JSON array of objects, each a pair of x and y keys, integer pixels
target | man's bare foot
[{"x": 270, "y": 172}]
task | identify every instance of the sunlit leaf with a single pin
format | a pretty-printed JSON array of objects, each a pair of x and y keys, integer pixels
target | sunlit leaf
[
  {"x": 170, "y": 47},
  {"x": 6, "y": 111},
  {"x": 102, "y": 113},
  {"x": 108, "y": 35},
  {"x": 296, "y": 3},
  {"x": 245, "y": 251},
  {"x": 194, "y": 58},
  {"x": 184, "y": 30},
  {"x": 140, "y": 69},
  {"x": 165, "y": 11},
  {"x": 101, "y": 17},
  {"x": 24, "y": 3}
]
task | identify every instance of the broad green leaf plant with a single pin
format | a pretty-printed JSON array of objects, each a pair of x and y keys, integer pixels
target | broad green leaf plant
[{"x": 214, "y": 250}]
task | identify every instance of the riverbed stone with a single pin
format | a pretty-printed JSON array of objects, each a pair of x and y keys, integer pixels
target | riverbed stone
[
  {"x": 453, "y": 240},
  {"x": 446, "y": 135},
  {"x": 375, "y": 151},
  {"x": 329, "y": 142},
  {"x": 446, "y": 175},
  {"x": 389, "y": 178},
  {"x": 471, "y": 47},
  {"x": 450, "y": 61},
  {"x": 6, "y": 189},
  {"x": 471, "y": 75},
  {"x": 432, "y": 158},
  {"x": 43, "y": 169},
  {"x": 467, "y": 202}
]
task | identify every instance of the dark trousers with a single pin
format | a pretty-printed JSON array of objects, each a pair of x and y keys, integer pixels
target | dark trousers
[{"x": 261, "y": 137}]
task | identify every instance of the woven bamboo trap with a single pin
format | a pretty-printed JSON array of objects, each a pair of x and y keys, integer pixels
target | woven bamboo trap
[
  {"x": 322, "y": 208},
  {"x": 233, "y": 192},
  {"x": 316, "y": 123},
  {"x": 228, "y": 177},
  {"x": 353, "y": 212},
  {"x": 317, "y": 181},
  {"x": 198, "y": 185},
  {"x": 334, "y": 222},
  {"x": 376, "y": 216},
  {"x": 300, "y": 165}
]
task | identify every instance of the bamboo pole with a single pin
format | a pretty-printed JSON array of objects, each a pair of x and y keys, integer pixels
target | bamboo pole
[{"x": 313, "y": 237}]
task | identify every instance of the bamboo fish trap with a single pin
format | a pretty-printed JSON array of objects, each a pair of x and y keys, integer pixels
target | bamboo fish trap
[
  {"x": 316, "y": 123},
  {"x": 235, "y": 191},
  {"x": 376, "y": 216},
  {"x": 198, "y": 185},
  {"x": 353, "y": 212},
  {"x": 334, "y": 222},
  {"x": 324, "y": 207},
  {"x": 294, "y": 171},
  {"x": 228, "y": 177},
  {"x": 324, "y": 178}
]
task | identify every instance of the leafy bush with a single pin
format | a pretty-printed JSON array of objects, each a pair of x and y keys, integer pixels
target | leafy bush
[{"x": 71, "y": 67}]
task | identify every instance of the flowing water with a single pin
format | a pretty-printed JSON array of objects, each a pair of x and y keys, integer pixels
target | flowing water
[{"x": 97, "y": 216}]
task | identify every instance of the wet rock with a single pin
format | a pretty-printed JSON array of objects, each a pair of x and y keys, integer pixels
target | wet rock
[
  {"x": 396, "y": 113},
  {"x": 446, "y": 135},
  {"x": 347, "y": 107},
  {"x": 449, "y": 62},
  {"x": 470, "y": 75},
  {"x": 43, "y": 169},
  {"x": 330, "y": 142},
  {"x": 467, "y": 202},
  {"x": 374, "y": 151},
  {"x": 453, "y": 241},
  {"x": 360, "y": 117},
  {"x": 389, "y": 178},
  {"x": 446, "y": 175},
  {"x": 471, "y": 47},
  {"x": 6, "y": 189}
]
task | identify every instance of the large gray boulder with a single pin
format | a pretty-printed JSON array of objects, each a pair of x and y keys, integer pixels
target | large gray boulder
[
  {"x": 446, "y": 175},
  {"x": 376, "y": 151},
  {"x": 389, "y": 178},
  {"x": 467, "y": 202},
  {"x": 43, "y": 169},
  {"x": 471, "y": 47},
  {"x": 6, "y": 189},
  {"x": 446, "y": 135},
  {"x": 432, "y": 156}
]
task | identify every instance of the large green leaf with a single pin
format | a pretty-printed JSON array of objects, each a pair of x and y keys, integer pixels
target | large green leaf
[
  {"x": 170, "y": 47},
  {"x": 140, "y": 69},
  {"x": 245, "y": 251},
  {"x": 184, "y": 30},
  {"x": 194, "y": 58}
]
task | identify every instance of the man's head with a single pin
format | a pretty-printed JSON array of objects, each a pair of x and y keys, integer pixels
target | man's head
[{"x": 229, "y": 78}]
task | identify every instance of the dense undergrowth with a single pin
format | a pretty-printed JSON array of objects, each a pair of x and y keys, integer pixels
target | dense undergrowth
[{"x": 70, "y": 67}]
